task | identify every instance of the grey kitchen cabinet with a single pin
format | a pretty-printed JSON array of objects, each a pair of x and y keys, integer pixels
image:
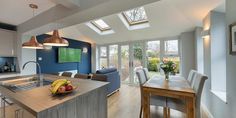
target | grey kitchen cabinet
[{"x": 7, "y": 43}]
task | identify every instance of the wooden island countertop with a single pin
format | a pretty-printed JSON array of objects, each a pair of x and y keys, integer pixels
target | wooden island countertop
[{"x": 89, "y": 95}]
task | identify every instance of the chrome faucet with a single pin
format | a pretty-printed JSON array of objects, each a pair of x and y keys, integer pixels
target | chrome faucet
[{"x": 40, "y": 74}]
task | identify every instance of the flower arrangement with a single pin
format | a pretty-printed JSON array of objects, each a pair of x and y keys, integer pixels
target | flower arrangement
[{"x": 168, "y": 67}]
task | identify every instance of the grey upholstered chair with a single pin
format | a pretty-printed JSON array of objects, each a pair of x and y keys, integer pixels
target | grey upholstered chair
[
  {"x": 191, "y": 75},
  {"x": 81, "y": 76},
  {"x": 198, "y": 84},
  {"x": 66, "y": 74},
  {"x": 154, "y": 100},
  {"x": 146, "y": 73}
]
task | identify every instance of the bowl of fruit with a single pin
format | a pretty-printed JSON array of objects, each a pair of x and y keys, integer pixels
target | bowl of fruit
[{"x": 62, "y": 86}]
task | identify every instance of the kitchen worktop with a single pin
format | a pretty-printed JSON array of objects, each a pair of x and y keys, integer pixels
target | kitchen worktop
[{"x": 39, "y": 100}]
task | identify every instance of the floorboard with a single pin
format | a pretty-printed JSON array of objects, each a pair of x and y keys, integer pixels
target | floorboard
[{"x": 126, "y": 104}]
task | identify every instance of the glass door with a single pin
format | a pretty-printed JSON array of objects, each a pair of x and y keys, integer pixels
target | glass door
[
  {"x": 113, "y": 56},
  {"x": 125, "y": 63},
  {"x": 137, "y": 60}
]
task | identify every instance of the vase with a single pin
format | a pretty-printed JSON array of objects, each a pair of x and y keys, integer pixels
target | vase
[{"x": 167, "y": 75}]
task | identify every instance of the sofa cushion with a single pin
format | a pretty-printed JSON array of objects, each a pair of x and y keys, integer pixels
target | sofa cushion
[
  {"x": 106, "y": 70},
  {"x": 99, "y": 77}
]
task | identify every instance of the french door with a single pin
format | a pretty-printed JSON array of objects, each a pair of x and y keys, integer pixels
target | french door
[{"x": 131, "y": 59}]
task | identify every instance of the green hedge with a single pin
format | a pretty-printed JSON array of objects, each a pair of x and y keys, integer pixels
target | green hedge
[{"x": 153, "y": 63}]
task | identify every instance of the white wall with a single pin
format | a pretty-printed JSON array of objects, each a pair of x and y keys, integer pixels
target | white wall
[
  {"x": 187, "y": 43},
  {"x": 199, "y": 55},
  {"x": 24, "y": 55},
  {"x": 94, "y": 58}
]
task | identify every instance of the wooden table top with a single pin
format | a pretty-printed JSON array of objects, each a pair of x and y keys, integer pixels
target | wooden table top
[
  {"x": 175, "y": 83},
  {"x": 40, "y": 99}
]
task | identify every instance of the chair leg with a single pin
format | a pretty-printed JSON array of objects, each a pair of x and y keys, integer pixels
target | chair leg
[
  {"x": 168, "y": 112},
  {"x": 165, "y": 112},
  {"x": 141, "y": 111}
]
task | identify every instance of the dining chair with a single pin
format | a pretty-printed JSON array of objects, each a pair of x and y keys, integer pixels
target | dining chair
[
  {"x": 66, "y": 74},
  {"x": 178, "y": 104},
  {"x": 191, "y": 75},
  {"x": 146, "y": 73},
  {"x": 154, "y": 100},
  {"x": 81, "y": 76}
]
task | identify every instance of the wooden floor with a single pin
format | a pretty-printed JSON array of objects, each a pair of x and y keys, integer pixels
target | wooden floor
[{"x": 126, "y": 104}]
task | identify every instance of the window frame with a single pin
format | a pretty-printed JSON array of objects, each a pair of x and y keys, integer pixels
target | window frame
[
  {"x": 171, "y": 55},
  {"x": 164, "y": 55},
  {"x": 99, "y": 27},
  {"x": 102, "y": 57},
  {"x": 131, "y": 23}
]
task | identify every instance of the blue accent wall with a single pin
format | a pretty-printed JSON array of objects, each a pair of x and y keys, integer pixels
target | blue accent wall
[{"x": 49, "y": 62}]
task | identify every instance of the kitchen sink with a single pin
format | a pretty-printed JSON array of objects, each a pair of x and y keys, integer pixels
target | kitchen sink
[{"x": 26, "y": 83}]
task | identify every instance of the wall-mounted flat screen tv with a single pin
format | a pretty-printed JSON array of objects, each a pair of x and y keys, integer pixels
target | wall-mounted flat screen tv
[{"x": 66, "y": 55}]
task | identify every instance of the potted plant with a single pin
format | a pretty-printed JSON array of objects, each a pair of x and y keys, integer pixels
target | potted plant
[{"x": 168, "y": 67}]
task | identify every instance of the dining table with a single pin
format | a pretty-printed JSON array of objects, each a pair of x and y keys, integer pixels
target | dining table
[{"x": 175, "y": 87}]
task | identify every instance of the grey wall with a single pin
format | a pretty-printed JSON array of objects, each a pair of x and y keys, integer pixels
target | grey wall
[
  {"x": 231, "y": 65},
  {"x": 214, "y": 62},
  {"x": 199, "y": 55},
  {"x": 187, "y": 43},
  {"x": 217, "y": 107},
  {"x": 218, "y": 51}
]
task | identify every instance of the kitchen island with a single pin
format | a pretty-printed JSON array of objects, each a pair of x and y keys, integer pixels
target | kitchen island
[{"x": 89, "y": 100}]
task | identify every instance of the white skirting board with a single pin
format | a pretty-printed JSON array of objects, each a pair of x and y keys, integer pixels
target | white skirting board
[{"x": 205, "y": 113}]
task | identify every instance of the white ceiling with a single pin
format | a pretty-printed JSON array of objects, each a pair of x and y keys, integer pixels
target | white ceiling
[
  {"x": 16, "y": 12},
  {"x": 167, "y": 18}
]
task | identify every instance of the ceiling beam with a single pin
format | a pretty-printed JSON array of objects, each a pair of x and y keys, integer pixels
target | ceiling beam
[
  {"x": 71, "y": 4},
  {"x": 60, "y": 17}
]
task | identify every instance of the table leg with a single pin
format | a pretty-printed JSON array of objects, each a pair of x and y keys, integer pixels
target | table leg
[
  {"x": 190, "y": 107},
  {"x": 146, "y": 105}
]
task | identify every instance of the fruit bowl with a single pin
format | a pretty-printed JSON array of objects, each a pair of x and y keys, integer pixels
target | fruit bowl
[
  {"x": 65, "y": 92},
  {"x": 62, "y": 86}
]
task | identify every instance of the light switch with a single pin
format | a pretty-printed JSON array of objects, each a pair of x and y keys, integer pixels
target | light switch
[{"x": 40, "y": 58}]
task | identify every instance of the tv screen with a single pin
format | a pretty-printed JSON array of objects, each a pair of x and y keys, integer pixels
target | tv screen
[{"x": 69, "y": 55}]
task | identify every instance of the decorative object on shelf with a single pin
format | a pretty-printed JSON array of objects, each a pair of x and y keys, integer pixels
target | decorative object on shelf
[
  {"x": 55, "y": 40},
  {"x": 32, "y": 43},
  {"x": 232, "y": 39},
  {"x": 168, "y": 67}
]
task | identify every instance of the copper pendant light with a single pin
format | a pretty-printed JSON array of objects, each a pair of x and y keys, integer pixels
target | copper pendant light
[
  {"x": 55, "y": 40},
  {"x": 32, "y": 43}
]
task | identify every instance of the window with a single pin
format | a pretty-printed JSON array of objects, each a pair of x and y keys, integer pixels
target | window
[
  {"x": 113, "y": 56},
  {"x": 103, "y": 57},
  {"x": 171, "y": 47},
  {"x": 101, "y": 25},
  {"x": 153, "y": 57},
  {"x": 171, "y": 53},
  {"x": 103, "y": 51},
  {"x": 135, "y": 16}
]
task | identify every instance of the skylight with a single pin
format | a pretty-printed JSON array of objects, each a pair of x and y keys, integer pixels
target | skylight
[
  {"x": 135, "y": 16},
  {"x": 101, "y": 25}
]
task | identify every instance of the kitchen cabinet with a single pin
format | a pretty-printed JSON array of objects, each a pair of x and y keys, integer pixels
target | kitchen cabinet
[{"x": 7, "y": 43}]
